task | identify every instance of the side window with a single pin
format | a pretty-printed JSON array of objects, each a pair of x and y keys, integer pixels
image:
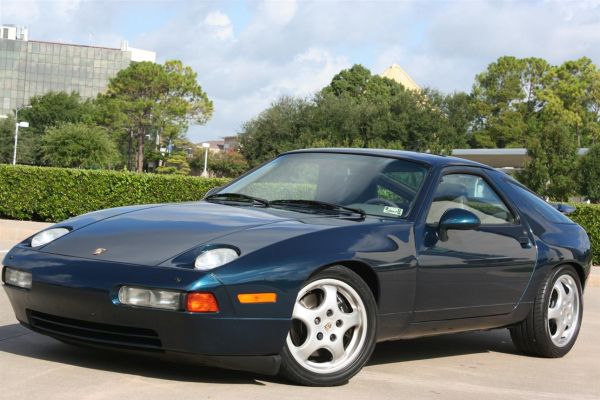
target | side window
[
  {"x": 539, "y": 205},
  {"x": 472, "y": 193}
]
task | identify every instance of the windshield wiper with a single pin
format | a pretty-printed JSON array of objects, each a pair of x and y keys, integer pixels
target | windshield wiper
[
  {"x": 237, "y": 197},
  {"x": 316, "y": 204}
]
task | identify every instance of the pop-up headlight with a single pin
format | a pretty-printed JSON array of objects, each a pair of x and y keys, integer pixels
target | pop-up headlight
[
  {"x": 214, "y": 258},
  {"x": 47, "y": 236}
]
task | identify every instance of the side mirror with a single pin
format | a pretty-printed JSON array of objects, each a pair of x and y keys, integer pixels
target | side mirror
[
  {"x": 457, "y": 218},
  {"x": 212, "y": 191}
]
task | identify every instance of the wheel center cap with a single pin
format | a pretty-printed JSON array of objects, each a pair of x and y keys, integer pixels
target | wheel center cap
[{"x": 328, "y": 326}]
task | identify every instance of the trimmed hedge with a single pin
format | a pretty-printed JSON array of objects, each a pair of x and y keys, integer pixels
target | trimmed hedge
[
  {"x": 588, "y": 216},
  {"x": 54, "y": 194}
]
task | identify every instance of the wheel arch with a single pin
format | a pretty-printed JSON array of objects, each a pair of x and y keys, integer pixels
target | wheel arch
[
  {"x": 578, "y": 268},
  {"x": 363, "y": 270}
]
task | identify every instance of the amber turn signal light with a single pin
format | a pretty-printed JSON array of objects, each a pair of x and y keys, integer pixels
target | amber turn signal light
[
  {"x": 249, "y": 298},
  {"x": 201, "y": 303}
]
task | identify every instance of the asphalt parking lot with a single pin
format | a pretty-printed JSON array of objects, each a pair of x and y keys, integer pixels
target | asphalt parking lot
[{"x": 460, "y": 366}]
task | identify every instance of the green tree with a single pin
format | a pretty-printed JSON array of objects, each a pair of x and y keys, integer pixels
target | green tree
[
  {"x": 55, "y": 108},
  {"x": 358, "y": 109},
  {"x": 229, "y": 164},
  {"x": 551, "y": 110},
  {"x": 281, "y": 127},
  {"x": 505, "y": 96},
  {"x": 361, "y": 109},
  {"x": 109, "y": 115},
  {"x": 588, "y": 170},
  {"x": 157, "y": 101},
  {"x": 553, "y": 155},
  {"x": 458, "y": 113},
  {"x": 78, "y": 145},
  {"x": 512, "y": 92},
  {"x": 332, "y": 120},
  {"x": 358, "y": 82},
  {"x": 176, "y": 163},
  {"x": 7, "y": 136},
  {"x": 574, "y": 91},
  {"x": 46, "y": 111}
]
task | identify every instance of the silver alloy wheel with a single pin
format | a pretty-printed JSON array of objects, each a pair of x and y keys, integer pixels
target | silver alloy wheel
[
  {"x": 563, "y": 310},
  {"x": 329, "y": 327}
]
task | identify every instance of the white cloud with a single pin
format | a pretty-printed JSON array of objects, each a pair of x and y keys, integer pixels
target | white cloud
[
  {"x": 26, "y": 11},
  {"x": 66, "y": 8},
  {"x": 67, "y": 21},
  {"x": 248, "y": 87},
  {"x": 279, "y": 12},
  {"x": 220, "y": 25},
  {"x": 460, "y": 39}
]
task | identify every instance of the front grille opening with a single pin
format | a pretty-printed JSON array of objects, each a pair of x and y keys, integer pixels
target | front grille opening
[{"x": 92, "y": 332}]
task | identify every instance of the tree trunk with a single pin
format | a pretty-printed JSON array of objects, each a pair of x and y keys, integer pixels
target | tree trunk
[
  {"x": 140, "y": 150},
  {"x": 129, "y": 146}
]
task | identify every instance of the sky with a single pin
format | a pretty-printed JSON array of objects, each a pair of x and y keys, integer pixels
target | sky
[{"x": 249, "y": 53}]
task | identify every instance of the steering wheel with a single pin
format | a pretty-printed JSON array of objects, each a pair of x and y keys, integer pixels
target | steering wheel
[{"x": 379, "y": 200}]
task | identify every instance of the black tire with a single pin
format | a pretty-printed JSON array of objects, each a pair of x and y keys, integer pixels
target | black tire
[
  {"x": 532, "y": 336},
  {"x": 294, "y": 371}
]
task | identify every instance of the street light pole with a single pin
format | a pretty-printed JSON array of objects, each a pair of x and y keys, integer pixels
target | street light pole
[
  {"x": 205, "y": 172},
  {"x": 16, "y": 141},
  {"x": 24, "y": 124}
]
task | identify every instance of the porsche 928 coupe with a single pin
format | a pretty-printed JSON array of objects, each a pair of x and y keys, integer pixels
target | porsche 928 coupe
[{"x": 302, "y": 265}]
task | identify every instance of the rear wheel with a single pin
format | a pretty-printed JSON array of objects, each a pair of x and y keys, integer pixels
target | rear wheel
[
  {"x": 333, "y": 329},
  {"x": 553, "y": 324}
]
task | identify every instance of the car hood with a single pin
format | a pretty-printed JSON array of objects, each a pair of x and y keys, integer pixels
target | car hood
[{"x": 151, "y": 235}]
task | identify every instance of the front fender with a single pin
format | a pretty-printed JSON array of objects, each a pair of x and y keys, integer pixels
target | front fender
[{"x": 283, "y": 266}]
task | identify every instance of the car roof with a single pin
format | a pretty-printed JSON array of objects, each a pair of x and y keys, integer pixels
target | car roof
[{"x": 425, "y": 158}]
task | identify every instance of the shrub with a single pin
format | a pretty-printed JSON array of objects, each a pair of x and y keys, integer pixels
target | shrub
[
  {"x": 54, "y": 194},
  {"x": 588, "y": 216},
  {"x": 589, "y": 174},
  {"x": 175, "y": 164},
  {"x": 228, "y": 164},
  {"x": 78, "y": 146}
]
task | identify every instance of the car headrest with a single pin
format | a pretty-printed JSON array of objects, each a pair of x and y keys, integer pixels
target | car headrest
[{"x": 450, "y": 191}]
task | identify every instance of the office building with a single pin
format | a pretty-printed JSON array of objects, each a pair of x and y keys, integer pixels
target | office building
[{"x": 30, "y": 67}]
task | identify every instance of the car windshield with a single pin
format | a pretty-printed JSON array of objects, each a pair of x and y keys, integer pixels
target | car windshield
[{"x": 376, "y": 185}]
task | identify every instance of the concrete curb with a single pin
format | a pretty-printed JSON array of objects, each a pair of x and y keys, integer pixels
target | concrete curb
[
  {"x": 15, "y": 231},
  {"x": 18, "y": 230}
]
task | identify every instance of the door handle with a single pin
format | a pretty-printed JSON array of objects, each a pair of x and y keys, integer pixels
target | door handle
[{"x": 524, "y": 242}]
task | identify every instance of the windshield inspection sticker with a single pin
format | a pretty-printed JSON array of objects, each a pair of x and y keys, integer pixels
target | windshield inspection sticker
[{"x": 393, "y": 210}]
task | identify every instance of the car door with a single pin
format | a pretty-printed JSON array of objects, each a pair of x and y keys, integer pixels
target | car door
[{"x": 474, "y": 272}]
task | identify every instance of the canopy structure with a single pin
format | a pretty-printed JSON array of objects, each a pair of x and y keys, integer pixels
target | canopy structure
[{"x": 500, "y": 158}]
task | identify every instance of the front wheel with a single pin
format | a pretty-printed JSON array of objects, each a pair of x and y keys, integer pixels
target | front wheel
[
  {"x": 553, "y": 324},
  {"x": 334, "y": 323}
]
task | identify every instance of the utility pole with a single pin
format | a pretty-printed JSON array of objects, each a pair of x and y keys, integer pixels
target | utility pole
[
  {"x": 205, "y": 172},
  {"x": 22, "y": 124}
]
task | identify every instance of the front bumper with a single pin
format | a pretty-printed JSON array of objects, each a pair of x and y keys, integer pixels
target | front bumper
[{"x": 74, "y": 300}]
